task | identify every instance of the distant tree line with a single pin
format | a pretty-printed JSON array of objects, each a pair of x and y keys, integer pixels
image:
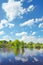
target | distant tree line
[{"x": 19, "y": 44}]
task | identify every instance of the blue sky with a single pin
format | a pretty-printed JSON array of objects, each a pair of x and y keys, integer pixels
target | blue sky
[{"x": 21, "y": 19}]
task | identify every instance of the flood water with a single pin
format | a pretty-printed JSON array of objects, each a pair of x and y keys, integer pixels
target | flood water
[{"x": 21, "y": 56}]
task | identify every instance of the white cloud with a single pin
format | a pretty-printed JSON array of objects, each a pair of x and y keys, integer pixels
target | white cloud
[
  {"x": 14, "y": 9},
  {"x": 33, "y": 33},
  {"x": 21, "y": 0},
  {"x": 31, "y": 22},
  {"x": 28, "y": 23},
  {"x": 5, "y": 23},
  {"x": 40, "y": 40},
  {"x": 30, "y": 8},
  {"x": 11, "y": 25},
  {"x": 21, "y": 34},
  {"x": 2, "y": 32},
  {"x": 7, "y": 37},
  {"x": 31, "y": 38},
  {"x": 41, "y": 25},
  {"x": 39, "y": 19},
  {"x": 27, "y": 38},
  {"x": 1, "y": 26},
  {"x": 27, "y": 0}
]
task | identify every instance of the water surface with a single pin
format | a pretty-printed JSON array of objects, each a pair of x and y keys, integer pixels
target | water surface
[{"x": 23, "y": 56}]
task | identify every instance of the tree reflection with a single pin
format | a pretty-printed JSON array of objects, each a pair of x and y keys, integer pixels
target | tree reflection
[{"x": 17, "y": 51}]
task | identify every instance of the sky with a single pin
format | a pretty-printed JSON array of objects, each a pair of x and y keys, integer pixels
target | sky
[{"x": 21, "y": 19}]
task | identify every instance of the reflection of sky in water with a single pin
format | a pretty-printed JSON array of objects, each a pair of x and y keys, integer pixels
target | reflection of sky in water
[{"x": 29, "y": 56}]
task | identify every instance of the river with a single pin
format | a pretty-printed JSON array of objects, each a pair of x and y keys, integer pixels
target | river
[{"x": 21, "y": 57}]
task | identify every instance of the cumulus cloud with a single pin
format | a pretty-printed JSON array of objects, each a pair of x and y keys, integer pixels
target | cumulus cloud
[
  {"x": 27, "y": 38},
  {"x": 15, "y": 9},
  {"x": 30, "y": 8},
  {"x": 27, "y": 23},
  {"x": 7, "y": 37},
  {"x": 5, "y": 23},
  {"x": 39, "y": 19},
  {"x": 2, "y": 32},
  {"x": 41, "y": 25},
  {"x": 22, "y": 33},
  {"x": 31, "y": 22},
  {"x": 33, "y": 33},
  {"x": 32, "y": 38},
  {"x": 21, "y": 0},
  {"x": 27, "y": 1},
  {"x": 11, "y": 25},
  {"x": 1, "y": 26}
]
